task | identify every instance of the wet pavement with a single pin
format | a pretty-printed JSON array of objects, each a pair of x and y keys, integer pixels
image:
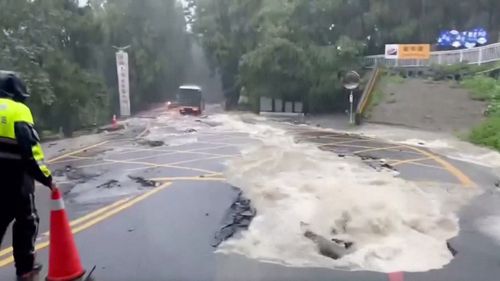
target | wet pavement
[{"x": 162, "y": 226}]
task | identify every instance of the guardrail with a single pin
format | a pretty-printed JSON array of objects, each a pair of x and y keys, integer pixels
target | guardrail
[
  {"x": 479, "y": 55},
  {"x": 367, "y": 95}
]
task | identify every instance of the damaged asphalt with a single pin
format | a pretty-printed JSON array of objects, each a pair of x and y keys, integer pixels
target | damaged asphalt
[{"x": 171, "y": 234}]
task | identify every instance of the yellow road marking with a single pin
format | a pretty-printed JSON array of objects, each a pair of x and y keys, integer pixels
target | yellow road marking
[
  {"x": 378, "y": 149},
  {"x": 368, "y": 148},
  {"x": 76, "y": 152},
  {"x": 189, "y": 179},
  {"x": 96, "y": 218},
  {"x": 72, "y": 158},
  {"x": 78, "y": 221},
  {"x": 149, "y": 165},
  {"x": 464, "y": 180},
  {"x": 80, "y": 157},
  {"x": 98, "y": 212},
  {"x": 409, "y": 161},
  {"x": 175, "y": 164},
  {"x": 120, "y": 208}
]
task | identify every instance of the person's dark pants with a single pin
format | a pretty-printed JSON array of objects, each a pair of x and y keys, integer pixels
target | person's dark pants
[{"x": 17, "y": 203}]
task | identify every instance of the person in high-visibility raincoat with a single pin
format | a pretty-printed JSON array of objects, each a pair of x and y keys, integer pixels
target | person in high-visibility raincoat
[{"x": 21, "y": 162}]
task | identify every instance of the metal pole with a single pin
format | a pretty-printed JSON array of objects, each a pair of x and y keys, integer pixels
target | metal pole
[{"x": 351, "y": 103}]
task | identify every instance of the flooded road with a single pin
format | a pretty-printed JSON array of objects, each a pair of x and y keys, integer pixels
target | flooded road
[{"x": 150, "y": 206}]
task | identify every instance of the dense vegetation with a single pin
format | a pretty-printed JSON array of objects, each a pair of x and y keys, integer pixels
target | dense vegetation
[
  {"x": 486, "y": 89},
  {"x": 300, "y": 48},
  {"x": 293, "y": 49},
  {"x": 65, "y": 52}
]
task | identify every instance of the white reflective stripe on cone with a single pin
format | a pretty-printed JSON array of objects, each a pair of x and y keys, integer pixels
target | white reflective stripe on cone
[{"x": 57, "y": 205}]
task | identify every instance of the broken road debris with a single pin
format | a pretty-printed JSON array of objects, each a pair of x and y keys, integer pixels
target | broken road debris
[{"x": 238, "y": 217}]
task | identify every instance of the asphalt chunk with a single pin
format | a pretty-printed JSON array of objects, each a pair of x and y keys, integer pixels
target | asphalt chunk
[
  {"x": 144, "y": 182},
  {"x": 109, "y": 184},
  {"x": 237, "y": 218},
  {"x": 334, "y": 248}
]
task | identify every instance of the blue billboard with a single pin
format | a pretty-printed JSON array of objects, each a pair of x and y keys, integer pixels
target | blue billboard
[{"x": 450, "y": 39}]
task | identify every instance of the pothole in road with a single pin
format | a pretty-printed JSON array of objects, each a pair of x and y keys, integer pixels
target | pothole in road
[
  {"x": 69, "y": 173},
  {"x": 238, "y": 217}
]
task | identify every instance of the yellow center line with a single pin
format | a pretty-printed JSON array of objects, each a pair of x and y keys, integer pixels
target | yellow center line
[
  {"x": 95, "y": 218},
  {"x": 78, "y": 221},
  {"x": 399, "y": 162},
  {"x": 76, "y": 152}
]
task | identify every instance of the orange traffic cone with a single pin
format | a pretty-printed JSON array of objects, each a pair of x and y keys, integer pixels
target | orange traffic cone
[
  {"x": 64, "y": 260},
  {"x": 114, "y": 122}
]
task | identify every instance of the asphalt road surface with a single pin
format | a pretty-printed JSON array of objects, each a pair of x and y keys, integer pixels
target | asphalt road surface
[{"x": 133, "y": 229}]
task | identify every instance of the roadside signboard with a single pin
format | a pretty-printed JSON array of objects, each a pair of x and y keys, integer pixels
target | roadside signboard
[
  {"x": 408, "y": 51},
  {"x": 123, "y": 82}
]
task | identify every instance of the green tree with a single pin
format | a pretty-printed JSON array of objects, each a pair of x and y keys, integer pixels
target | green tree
[{"x": 64, "y": 51}]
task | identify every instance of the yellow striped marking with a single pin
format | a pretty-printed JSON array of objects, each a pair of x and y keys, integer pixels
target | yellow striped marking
[
  {"x": 175, "y": 164},
  {"x": 91, "y": 219},
  {"x": 76, "y": 152},
  {"x": 148, "y": 165},
  {"x": 171, "y": 179},
  {"x": 378, "y": 149},
  {"x": 464, "y": 180},
  {"x": 457, "y": 173},
  {"x": 77, "y": 221},
  {"x": 409, "y": 161}
]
